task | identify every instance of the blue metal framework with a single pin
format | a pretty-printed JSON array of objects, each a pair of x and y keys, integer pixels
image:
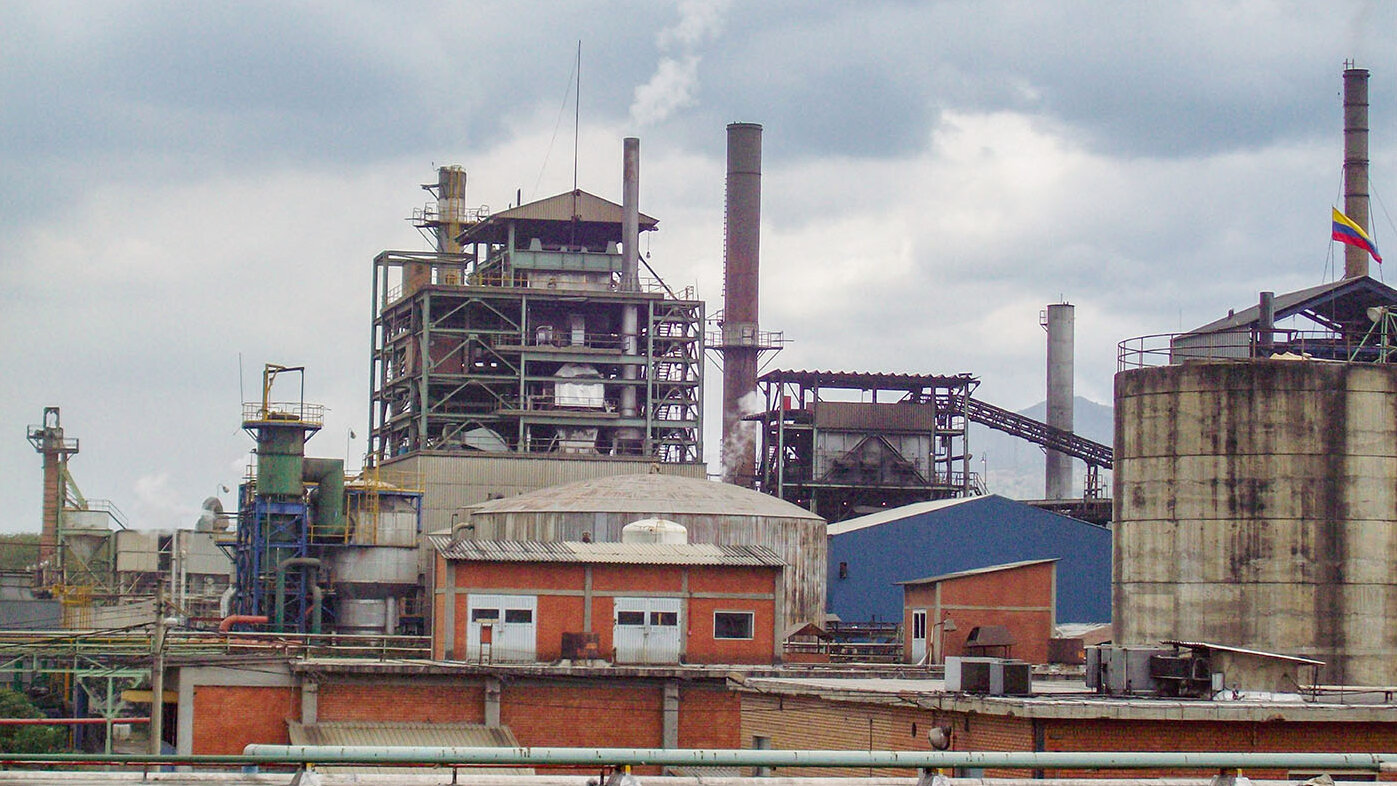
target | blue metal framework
[{"x": 269, "y": 531}]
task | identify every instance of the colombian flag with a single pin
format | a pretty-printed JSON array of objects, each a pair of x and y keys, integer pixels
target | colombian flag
[{"x": 1345, "y": 231}]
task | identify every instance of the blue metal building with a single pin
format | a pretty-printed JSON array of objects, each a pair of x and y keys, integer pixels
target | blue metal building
[{"x": 867, "y": 555}]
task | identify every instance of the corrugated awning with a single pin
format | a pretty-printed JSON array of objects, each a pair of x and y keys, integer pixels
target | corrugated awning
[{"x": 388, "y": 733}]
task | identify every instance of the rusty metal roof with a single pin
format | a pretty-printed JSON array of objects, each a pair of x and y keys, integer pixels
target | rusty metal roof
[
  {"x": 663, "y": 496},
  {"x": 604, "y": 553},
  {"x": 860, "y": 380}
]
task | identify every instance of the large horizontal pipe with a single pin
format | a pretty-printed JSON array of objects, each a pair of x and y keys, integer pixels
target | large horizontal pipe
[{"x": 819, "y": 758}]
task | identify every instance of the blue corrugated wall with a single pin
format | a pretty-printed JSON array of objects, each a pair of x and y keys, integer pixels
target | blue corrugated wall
[{"x": 977, "y": 533}]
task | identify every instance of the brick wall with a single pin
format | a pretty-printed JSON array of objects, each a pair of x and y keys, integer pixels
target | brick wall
[
  {"x": 709, "y": 718},
  {"x": 227, "y": 718},
  {"x": 401, "y": 701}
]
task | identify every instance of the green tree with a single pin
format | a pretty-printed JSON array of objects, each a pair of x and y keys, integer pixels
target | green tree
[{"x": 27, "y": 739}]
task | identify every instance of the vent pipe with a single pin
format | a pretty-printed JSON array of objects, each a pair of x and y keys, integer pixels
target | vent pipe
[
  {"x": 629, "y": 436},
  {"x": 1356, "y": 164},
  {"x": 740, "y": 337},
  {"x": 1060, "y": 322},
  {"x": 630, "y": 215}
]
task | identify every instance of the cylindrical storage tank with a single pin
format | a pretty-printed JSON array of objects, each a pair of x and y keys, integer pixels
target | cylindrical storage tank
[
  {"x": 1255, "y": 504},
  {"x": 361, "y": 617},
  {"x": 660, "y": 531},
  {"x": 715, "y": 513},
  {"x": 280, "y": 455}
]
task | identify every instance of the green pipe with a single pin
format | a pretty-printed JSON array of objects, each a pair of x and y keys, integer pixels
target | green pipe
[
  {"x": 327, "y": 500},
  {"x": 293, "y": 562},
  {"x": 304, "y": 754}
]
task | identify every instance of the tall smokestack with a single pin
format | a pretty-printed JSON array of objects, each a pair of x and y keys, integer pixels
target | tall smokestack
[
  {"x": 1356, "y": 164},
  {"x": 741, "y": 342},
  {"x": 630, "y": 215},
  {"x": 630, "y": 282},
  {"x": 1060, "y": 322},
  {"x": 451, "y": 207}
]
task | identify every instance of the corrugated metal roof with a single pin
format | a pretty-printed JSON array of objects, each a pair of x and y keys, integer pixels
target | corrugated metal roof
[
  {"x": 468, "y": 735},
  {"x": 1337, "y": 301},
  {"x": 400, "y": 734},
  {"x": 866, "y": 380},
  {"x": 895, "y": 514},
  {"x": 604, "y": 553},
  {"x": 649, "y": 495},
  {"x": 587, "y": 208},
  {"x": 977, "y": 571}
]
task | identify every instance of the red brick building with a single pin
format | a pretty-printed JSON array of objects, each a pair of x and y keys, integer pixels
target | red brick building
[
  {"x": 516, "y": 602},
  {"x": 224, "y": 708},
  {"x": 941, "y": 612}
]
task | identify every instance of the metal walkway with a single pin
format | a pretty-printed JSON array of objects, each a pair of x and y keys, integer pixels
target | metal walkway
[{"x": 1094, "y": 454}]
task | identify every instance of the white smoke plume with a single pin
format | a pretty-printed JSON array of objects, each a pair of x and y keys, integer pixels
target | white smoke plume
[
  {"x": 675, "y": 81},
  {"x": 740, "y": 441}
]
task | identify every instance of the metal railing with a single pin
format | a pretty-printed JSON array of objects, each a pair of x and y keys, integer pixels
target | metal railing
[
  {"x": 1244, "y": 345},
  {"x": 284, "y": 411}
]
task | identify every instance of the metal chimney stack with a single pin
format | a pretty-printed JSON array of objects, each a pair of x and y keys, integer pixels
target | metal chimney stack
[
  {"x": 741, "y": 342},
  {"x": 630, "y": 215},
  {"x": 451, "y": 207},
  {"x": 1061, "y": 322},
  {"x": 1356, "y": 164}
]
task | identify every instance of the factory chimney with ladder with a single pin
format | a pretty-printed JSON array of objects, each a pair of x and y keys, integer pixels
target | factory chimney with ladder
[
  {"x": 1356, "y": 164},
  {"x": 741, "y": 343}
]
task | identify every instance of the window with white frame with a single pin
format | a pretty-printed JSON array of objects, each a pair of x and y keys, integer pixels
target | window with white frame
[{"x": 732, "y": 624}]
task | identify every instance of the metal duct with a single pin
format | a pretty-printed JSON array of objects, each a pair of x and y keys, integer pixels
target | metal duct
[
  {"x": 1060, "y": 322},
  {"x": 1356, "y": 164},
  {"x": 741, "y": 343}
]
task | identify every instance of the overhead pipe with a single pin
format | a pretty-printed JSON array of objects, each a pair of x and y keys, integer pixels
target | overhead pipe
[
  {"x": 259, "y": 754},
  {"x": 366, "y": 754},
  {"x": 241, "y": 619},
  {"x": 328, "y": 498},
  {"x": 294, "y": 562}
]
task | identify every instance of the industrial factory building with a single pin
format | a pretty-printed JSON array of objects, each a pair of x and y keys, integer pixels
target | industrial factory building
[
  {"x": 869, "y": 555},
  {"x": 528, "y": 350},
  {"x": 645, "y": 600},
  {"x": 718, "y": 514}
]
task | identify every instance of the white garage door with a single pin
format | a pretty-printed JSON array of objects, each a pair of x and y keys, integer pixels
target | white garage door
[
  {"x": 647, "y": 630},
  {"x": 511, "y": 620}
]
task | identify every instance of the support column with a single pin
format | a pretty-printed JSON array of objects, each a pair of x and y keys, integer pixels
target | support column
[
  {"x": 670, "y": 728},
  {"x": 493, "y": 688}
]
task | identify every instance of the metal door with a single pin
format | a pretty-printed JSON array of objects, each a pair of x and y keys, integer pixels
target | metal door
[
  {"x": 512, "y": 624},
  {"x": 918, "y": 635},
  {"x": 646, "y": 630}
]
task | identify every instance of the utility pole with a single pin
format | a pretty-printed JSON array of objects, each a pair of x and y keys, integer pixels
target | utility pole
[{"x": 157, "y": 674}]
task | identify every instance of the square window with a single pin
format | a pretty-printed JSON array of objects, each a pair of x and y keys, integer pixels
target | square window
[
  {"x": 485, "y": 615},
  {"x": 518, "y": 615},
  {"x": 666, "y": 618},
  {"x": 732, "y": 624},
  {"x": 630, "y": 618}
]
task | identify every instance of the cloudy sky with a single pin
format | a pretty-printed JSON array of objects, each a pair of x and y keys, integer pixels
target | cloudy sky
[{"x": 191, "y": 186}]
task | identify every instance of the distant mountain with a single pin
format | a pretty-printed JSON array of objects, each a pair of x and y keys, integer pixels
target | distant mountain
[{"x": 1015, "y": 467}]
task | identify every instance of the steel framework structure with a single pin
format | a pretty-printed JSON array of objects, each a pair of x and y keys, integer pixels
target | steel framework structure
[
  {"x": 839, "y": 457},
  {"x": 477, "y": 360}
]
